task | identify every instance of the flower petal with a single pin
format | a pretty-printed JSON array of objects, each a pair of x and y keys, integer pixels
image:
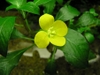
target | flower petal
[
  {"x": 58, "y": 41},
  {"x": 46, "y": 21},
  {"x": 41, "y": 39},
  {"x": 60, "y": 28}
]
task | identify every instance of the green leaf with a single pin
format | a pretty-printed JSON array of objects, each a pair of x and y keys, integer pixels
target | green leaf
[
  {"x": 17, "y": 3},
  {"x": 67, "y": 12},
  {"x": 89, "y": 37},
  {"x": 86, "y": 19},
  {"x": 11, "y": 7},
  {"x": 16, "y": 34},
  {"x": 91, "y": 55},
  {"x": 97, "y": 22},
  {"x": 30, "y": 7},
  {"x": 60, "y": 1},
  {"x": 49, "y": 7},
  {"x": 83, "y": 29},
  {"x": 7, "y": 64},
  {"x": 40, "y": 2},
  {"x": 51, "y": 67},
  {"x": 76, "y": 49},
  {"x": 6, "y": 28},
  {"x": 92, "y": 11}
]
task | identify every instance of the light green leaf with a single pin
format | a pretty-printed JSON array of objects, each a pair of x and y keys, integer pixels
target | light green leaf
[
  {"x": 30, "y": 7},
  {"x": 7, "y": 64},
  {"x": 40, "y": 2},
  {"x": 92, "y": 11},
  {"x": 82, "y": 29},
  {"x": 76, "y": 49},
  {"x": 87, "y": 19},
  {"x": 6, "y": 28},
  {"x": 49, "y": 7},
  {"x": 17, "y": 3},
  {"x": 67, "y": 12},
  {"x": 11, "y": 7}
]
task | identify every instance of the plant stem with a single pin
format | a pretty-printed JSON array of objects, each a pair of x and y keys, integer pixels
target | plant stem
[
  {"x": 27, "y": 24},
  {"x": 94, "y": 25},
  {"x": 20, "y": 25},
  {"x": 51, "y": 68},
  {"x": 28, "y": 38},
  {"x": 53, "y": 53}
]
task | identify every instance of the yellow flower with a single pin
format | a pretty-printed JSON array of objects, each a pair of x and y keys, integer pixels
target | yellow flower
[{"x": 52, "y": 32}]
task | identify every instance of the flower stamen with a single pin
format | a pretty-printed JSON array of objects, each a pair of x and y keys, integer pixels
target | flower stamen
[{"x": 51, "y": 32}]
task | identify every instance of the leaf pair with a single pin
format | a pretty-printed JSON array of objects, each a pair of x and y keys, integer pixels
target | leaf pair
[
  {"x": 7, "y": 32},
  {"x": 23, "y": 5}
]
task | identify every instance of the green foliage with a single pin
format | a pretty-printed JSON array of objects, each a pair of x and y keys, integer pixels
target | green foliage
[
  {"x": 17, "y": 3},
  {"x": 6, "y": 28},
  {"x": 49, "y": 7},
  {"x": 76, "y": 49},
  {"x": 11, "y": 7},
  {"x": 30, "y": 7},
  {"x": 60, "y": 1},
  {"x": 92, "y": 11},
  {"x": 87, "y": 19},
  {"x": 91, "y": 55},
  {"x": 67, "y": 12},
  {"x": 22, "y": 5},
  {"x": 89, "y": 36},
  {"x": 82, "y": 29},
  {"x": 41, "y": 2},
  {"x": 7, "y": 64},
  {"x": 51, "y": 67},
  {"x": 16, "y": 34}
]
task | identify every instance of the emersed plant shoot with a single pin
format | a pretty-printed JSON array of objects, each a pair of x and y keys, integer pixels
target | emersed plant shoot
[{"x": 61, "y": 30}]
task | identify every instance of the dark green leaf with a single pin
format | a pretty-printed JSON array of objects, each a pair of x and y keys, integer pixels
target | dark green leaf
[
  {"x": 17, "y": 3},
  {"x": 76, "y": 49},
  {"x": 30, "y": 7},
  {"x": 6, "y": 28},
  {"x": 97, "y": 22},
  {"x": 86, "y": 19},
  {"x": 49, "y": 7},
  {"x": 40, "y": 2},
  {"x": 7, "y": 64},
  {"x": 67, "y": 12},
  {"x": 98, "y": 36},
  {"x": 60, "y": 1},
  {"x": 16, "y": 34},
  {"x": 91, "y": 55},
  {"x": 51, "y": 67}
]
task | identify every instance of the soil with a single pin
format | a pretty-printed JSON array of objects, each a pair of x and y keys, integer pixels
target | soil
[{"x": 34, "y": 65}]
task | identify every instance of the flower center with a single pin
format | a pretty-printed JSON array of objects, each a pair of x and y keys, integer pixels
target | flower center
[{"x": 51, "y": 32}]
